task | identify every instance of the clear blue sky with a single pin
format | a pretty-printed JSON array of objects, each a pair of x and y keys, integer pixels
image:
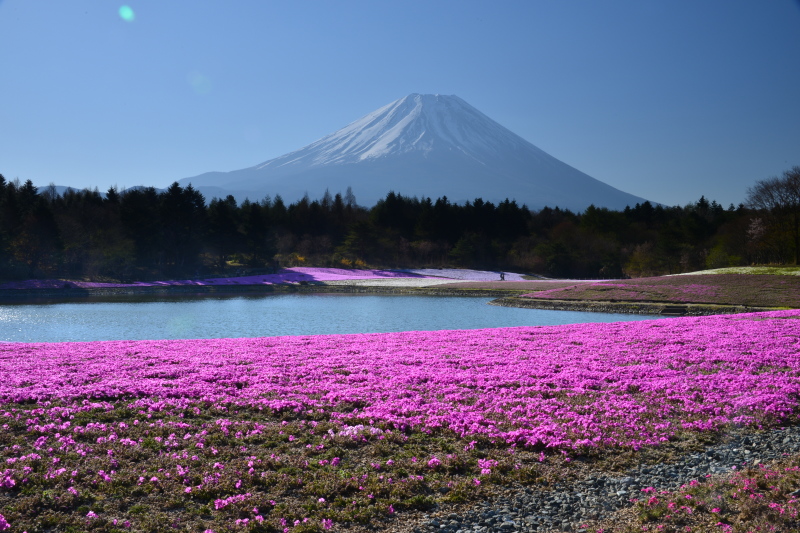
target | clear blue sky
[{"x": 668, "y": 100}]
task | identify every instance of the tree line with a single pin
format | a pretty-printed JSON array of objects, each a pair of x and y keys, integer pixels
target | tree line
[{"x": 143, "y": 233}]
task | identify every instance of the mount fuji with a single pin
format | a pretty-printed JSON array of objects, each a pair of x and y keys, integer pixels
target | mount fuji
[{"x": 420, "y": 145}]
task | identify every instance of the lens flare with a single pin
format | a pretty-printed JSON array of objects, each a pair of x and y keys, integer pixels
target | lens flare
[
  {"x": 199, "y": 82},
  {"x": 126, "y": 13}
]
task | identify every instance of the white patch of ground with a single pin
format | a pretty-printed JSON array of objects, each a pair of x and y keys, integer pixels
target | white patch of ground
[{"x": 393, "y": 282}]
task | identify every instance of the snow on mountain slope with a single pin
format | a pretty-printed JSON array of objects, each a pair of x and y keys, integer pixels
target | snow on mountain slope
[
  {"x": 414, "y": 123},
  {"x": 423, "y": 145}
]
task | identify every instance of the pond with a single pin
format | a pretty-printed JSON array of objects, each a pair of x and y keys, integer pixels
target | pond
[{"x": 139, "y": 318}]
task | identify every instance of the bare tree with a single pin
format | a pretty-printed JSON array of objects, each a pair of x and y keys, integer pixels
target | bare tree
[{"x": 780, "y": 196}]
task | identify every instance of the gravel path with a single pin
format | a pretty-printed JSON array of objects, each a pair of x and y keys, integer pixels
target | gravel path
[
  {"x": 393, "y": 282},
  {"x": 465, "y": 274},
  {"x": 564, "y": 508}
]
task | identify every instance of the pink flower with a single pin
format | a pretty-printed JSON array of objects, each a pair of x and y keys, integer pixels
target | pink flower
[{"x": 486, "y": 465}]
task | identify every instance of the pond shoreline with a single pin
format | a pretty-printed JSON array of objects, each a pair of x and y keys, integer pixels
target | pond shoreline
[
  {"x": 503, "y": 298},
  {"x": 20, "y": 295},
  {"x": 640, "y": 308}
]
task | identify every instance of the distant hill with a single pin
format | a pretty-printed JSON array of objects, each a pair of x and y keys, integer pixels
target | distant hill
[{"x": 420, "y": 145}]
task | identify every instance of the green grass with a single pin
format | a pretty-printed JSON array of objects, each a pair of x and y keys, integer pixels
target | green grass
[{"x": 757, "y": 270}]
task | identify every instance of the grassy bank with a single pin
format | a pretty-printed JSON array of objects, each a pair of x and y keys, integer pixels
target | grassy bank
[
  {"x": 758, "y": 270},
  {"x": 722, "y": 289}
]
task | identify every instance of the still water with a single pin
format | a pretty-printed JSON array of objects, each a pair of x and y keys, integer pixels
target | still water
[{"x": 261, "y": 316}]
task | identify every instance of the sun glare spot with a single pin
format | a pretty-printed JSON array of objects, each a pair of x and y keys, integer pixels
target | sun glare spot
[{"x": 126, "y": 13}]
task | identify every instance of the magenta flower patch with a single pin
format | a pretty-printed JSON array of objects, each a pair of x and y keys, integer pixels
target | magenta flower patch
[
  {"x": 585, "y": 385},
  {"x": 288, "y": 275}
]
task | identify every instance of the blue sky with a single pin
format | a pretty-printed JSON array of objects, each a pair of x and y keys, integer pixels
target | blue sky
[{"x": 668, "y": 100}]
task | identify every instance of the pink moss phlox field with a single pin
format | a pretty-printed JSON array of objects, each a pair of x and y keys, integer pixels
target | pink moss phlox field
[
  {"x": 288, "y": 275},
  {"x": 583, "y": 385}
]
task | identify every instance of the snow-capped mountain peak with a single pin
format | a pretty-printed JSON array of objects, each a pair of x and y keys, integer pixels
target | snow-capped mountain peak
[
  {"x": 417, "y": 122},
  {"x": 425, "y": 145}
]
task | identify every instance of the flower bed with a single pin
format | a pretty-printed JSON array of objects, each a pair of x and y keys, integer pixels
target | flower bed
[
  {"x": 765, "y": 498},
  {"x": 307, "y": 432},
  {"x": 724, "y": 289},
  {"x": 288, "y": 275}
]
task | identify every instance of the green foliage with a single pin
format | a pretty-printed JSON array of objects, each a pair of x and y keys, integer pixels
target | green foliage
[{"x": 146, "y": 234}]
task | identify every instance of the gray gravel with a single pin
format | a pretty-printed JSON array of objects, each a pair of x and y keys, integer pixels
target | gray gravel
[{"x": 564, "y": 508}]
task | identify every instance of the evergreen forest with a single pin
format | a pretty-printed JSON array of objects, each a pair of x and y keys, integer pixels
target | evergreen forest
[{"x": 147, "y": 234}]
